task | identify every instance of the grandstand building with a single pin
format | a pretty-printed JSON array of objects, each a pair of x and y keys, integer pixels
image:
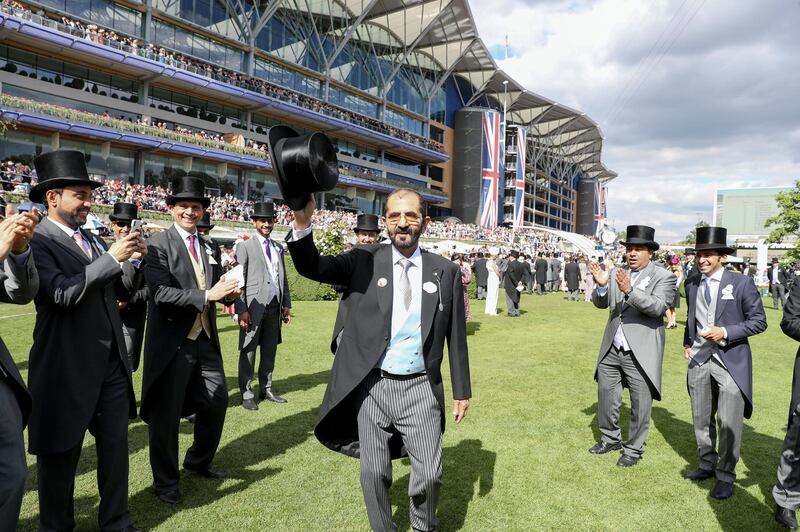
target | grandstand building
[{"x": 408, "y": 92}]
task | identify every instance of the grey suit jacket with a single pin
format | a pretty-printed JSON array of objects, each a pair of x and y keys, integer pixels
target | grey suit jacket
[
  {"x": 251, "y": 256},
  {"x": 641, "y": 317},
  {"x": 19, "y": 283}
]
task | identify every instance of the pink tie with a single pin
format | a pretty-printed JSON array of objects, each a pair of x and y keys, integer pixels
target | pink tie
[
  {"x": 192, "y": 250},
  {"x": 82, "y": 243}
]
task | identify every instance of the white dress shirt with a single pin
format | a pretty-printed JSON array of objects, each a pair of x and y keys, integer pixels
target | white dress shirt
[{"x": 185, "y": 237}]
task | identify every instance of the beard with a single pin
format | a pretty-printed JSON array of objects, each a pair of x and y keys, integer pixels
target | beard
[{"x": 411, "y": 233}]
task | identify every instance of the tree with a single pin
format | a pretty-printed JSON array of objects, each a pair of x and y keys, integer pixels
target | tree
[
  {"x": 691, "y": 238},
  {"x": 787, "y": 221}
]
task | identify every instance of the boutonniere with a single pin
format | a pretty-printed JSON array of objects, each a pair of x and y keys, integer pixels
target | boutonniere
[
  {"x": 209, "y": 251},
  {"x": 727, "y": 292},
  {"x": 643, "y": 283}
]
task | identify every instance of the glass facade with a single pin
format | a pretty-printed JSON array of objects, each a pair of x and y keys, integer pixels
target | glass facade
[
  {"x": 67, "y": 103},
  {"x": 119, "y": 164},
  {"x": 190, "y": 43},
  {"x": 159, "y": 170},
  {"x": 101, "y": 12},
  {"x": 211, "y": 15},
  {"x": 285, "y": 77},
  {"x": 41, "y": 67},
  {"x": 261, "y": 186},
  {"x": 190, "y": 106},
  {"x": 23, "y": 146}
]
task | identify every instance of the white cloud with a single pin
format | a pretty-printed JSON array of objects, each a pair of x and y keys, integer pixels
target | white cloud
[{"x": 716, "y": 109}]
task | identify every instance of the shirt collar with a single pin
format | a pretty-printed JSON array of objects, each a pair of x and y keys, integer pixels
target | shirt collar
[
  {"x": 184, "y": 233},
  {"x": 717, "y": 276},
  {"x": 416, "y": 258},
  {"x": 260, "y": 238},
  {"x": 68, "y": 230}
]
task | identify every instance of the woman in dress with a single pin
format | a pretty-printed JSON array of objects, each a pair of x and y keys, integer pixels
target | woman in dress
[
  {"x": 589, "y": 280},
  {"x": 466, "y": 277},
  {"x": 492, "y": 284}
]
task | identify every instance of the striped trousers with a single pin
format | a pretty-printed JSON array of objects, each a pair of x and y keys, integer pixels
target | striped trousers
[{"x": 409, "y": 408}]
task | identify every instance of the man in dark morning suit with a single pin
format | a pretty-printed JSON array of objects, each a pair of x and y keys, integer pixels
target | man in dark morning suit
[
  {"x": 541, "y": 267},
  {"x": 632, "y": 349},
  {"x": 786, "y": 491},
  {"x": 18, "y": 285},
  {"x": 386, "y": 383},
  {"x": 778, "y": 283},
  {"x": 367, "y": 231},
  {"x": 481, "y": 275},
  {"x": 264, "y": 304},
  {"x": 514, "y": 276},
  {"x": 724, "y": 310},
  {"x": 132, "y": 302},
  {"x": 79, "y": 377},
  {"x": 572, "y": 276},
  {"x": 183, "y": 372}
]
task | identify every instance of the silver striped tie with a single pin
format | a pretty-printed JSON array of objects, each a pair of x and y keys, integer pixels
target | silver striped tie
[{"x": 405, "y": 284}]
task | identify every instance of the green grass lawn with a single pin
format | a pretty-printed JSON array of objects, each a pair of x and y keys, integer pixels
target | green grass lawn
[{"x": 519, "y": 461}]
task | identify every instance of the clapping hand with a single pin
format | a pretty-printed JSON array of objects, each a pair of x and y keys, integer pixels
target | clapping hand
[
  {"x": 16, "y": 231},
  {"x": 624, "y": 280},
  {"x": 600, "y": 275}
]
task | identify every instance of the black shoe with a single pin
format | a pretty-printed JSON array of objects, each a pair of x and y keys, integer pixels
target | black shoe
[
  {"x": 170, "y": 497},
  {"x": 603, "y": 448},
  {"x": 249, "y": 404},
  {"x": 699, "y": 475},
  {"x": 269, "y": 396},
  {"x": 627, "y": 460},
  {"x": 785, "y": 517},
  {"x": 209, "y": 472},
  {"x": 723, "y": 490}
]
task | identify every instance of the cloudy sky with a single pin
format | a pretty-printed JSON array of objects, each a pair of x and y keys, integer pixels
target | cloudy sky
[{"x": 691, "y": 95}]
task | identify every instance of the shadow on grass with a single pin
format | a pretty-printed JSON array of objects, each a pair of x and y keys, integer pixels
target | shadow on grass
[
  {"x": 624, "y": 421},
  {"x": 473, "y": 327},
  {"x": 759, "y": 452},
  {"x": 85, "y": 513},
  {"x": 295, "y": 383},
  {"x": 464, "y": 465},
  {"x": 241, "y": 459}
]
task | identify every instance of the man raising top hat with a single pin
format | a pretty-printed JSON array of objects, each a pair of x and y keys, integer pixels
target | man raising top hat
[
  {"x": 133, "y": 302},
  {"x": 632, "y": 348},
  {"x": 262, "y": 306},
  {"x": 183, "y": 371},
  {"x": 367, "y": 229},
  {"x": 79, "y": 373},
  {"x": 724, "y": 310}
]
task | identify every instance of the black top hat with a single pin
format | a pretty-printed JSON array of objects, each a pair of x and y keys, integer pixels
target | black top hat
[
  {"x": 775, "y": 260},
  {"x": 205, "y": 221},
  {"x": 303, "y": 164},
  {"x": 514, "y": 253},
  {"x": 60, "y": 168},
  {"x": 713, "y": 239},
  {"x": 688, "y": 251},
  {"x": 264, "y": 209},
  {"x": 366, "y": 222},
  {"x": 124, "y": 212},
  {"x": 188, "y": 188},
  {"x": 640, "y": 235}
]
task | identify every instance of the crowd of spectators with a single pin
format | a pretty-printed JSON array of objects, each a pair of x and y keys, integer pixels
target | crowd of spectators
[{"x": 103, "y": 36}]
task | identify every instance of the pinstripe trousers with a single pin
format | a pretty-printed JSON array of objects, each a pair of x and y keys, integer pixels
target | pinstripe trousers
[
  {"x": 714, "y": 394},
  {"x": 410, "y": 408}
]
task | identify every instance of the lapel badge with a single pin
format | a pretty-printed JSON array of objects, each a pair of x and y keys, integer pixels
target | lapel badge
[
  {"x": 382, "y": 282},
  {"x": 429, "y": 287}
]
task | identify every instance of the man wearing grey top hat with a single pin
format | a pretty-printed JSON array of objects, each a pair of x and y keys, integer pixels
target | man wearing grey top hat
[
  {"x": 632, "y": 349},
  {"x": 724, "y": 310},
  {"x": 264, "y": 303}
]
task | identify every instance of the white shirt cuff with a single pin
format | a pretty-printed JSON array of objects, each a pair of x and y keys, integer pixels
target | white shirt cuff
[
  {"x": 297, "y": 235},
  {"x": 602, "y": 290},
  {"x": 724, "y": 332}
]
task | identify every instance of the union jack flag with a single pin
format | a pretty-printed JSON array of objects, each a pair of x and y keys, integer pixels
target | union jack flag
[
  {"x": 519, "y": 182},
  {"x": 491, "y": 168}
]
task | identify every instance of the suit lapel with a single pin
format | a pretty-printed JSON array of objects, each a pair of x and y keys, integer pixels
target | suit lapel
[
  {"x": 429, "y": 300},
  {"x": 60, "y": 237},
  {"x": 724, "y": 280},
  {"x": 185, "y": 264},
  {"x": 383, "y": 272}
]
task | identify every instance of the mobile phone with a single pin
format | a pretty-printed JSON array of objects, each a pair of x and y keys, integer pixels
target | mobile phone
[{"x": 137, "y": 225}]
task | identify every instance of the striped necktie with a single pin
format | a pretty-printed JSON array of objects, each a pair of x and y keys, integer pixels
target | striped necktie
[{"x": 405, "y": 284}]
